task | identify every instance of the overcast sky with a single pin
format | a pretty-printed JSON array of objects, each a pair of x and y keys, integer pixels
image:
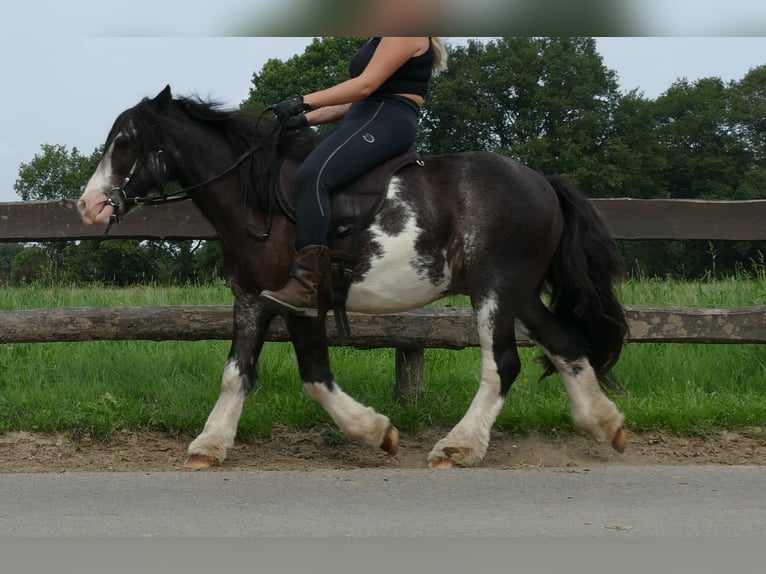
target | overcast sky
[{"x": 67, "y": 88}]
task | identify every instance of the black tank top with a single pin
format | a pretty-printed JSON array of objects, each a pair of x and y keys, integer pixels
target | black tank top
[{"x": 411, "y": 78}]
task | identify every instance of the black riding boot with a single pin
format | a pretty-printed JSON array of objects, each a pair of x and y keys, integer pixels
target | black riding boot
[{"x": 301, "y": 293}]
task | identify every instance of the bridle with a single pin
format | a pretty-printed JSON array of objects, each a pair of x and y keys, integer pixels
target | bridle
[{"x": 118, "y": 198}]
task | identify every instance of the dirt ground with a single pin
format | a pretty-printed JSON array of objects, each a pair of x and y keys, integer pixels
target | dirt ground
[{"x": 326, "y": 449}]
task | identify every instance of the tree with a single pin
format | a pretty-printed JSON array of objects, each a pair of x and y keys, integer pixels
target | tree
[
  {"x": 323, "y": 64},
  {"x": 546, "y": 101},
  {"x": 748, "y": 123},
  {"x": 748, "y": 112},
  {"x": 696, "y": 141},
  {"x": 28, "y": 265},
  {"x": 705, "y": 158},
  {"x": 634, "y": 161},
  {"x": 55, "y": 174},
  {"x": 8, "y": 252}
]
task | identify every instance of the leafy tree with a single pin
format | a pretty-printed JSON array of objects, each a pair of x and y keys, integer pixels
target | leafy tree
[
  {"x": 28, "y": 265},
  {"x": 55, "y": 174},
  {"x": 705, "y": 159},
  {"x": 458, "y": 115},
  {"x": 748, "y": 123},
  {"x": 689, "y": 143},
  {"x": 748, "y": 112},
  {"x": 547, "y": 101},
  {"x": 8, "y": 252},
  {"x": 634, "y": 160},
  {"x": 323, "y": 64},
  {"x": 208, "y": 262},
  {"x": 119, "y": 262}
]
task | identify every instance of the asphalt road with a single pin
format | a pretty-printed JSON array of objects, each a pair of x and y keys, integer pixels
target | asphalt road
[{"x": 601, "y": 502}]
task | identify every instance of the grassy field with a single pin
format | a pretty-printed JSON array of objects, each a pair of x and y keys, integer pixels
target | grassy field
[{"x": 101, "y": 387}]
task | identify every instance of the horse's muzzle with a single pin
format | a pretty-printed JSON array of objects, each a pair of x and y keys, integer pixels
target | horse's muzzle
[{"x": 95, "y": 210}]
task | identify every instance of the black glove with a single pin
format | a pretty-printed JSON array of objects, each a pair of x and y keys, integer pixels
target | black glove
[
  {"x": 297, "y": 121},
  {"x": 290, "y": 107}
]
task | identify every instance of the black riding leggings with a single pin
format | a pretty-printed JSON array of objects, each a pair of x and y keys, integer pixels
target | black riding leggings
[{"x": 373, "y": 130}]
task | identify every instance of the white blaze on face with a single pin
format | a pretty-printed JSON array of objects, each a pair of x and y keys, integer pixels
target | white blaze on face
[{"x": 92, "y": 205}]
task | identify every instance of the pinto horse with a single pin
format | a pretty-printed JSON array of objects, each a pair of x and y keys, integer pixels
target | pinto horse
[{"x": 472, "y": 223}]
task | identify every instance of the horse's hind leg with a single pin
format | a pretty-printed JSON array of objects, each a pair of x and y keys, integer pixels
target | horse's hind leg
[
  {"x": 467, "y": 443},
  {"x": 251, "y": 323},
  {"x": 592, "y": 412},
  {"x": 359, "y": 423}
]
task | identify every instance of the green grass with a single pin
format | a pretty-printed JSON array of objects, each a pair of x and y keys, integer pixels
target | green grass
[
  {"x": 40, "y": 296},
  {"x": 102, "y": 387}
]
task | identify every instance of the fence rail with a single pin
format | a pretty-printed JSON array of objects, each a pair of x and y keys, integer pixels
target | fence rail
[
  {"x": 628, "y": 219},
  {"x": 438, "y": 327}
]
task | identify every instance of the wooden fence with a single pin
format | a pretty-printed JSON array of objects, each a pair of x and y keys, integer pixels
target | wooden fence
[
  {"x": 409, "y": 333},
  {"x": 628, "y": 218}
]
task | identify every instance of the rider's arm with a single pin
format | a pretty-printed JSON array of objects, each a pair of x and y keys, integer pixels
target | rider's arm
[
  {"x": 327, "y": 114},
  {"x": 389, "y": 56}
]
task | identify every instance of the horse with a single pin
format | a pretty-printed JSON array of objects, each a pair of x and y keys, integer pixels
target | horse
[{"x": 474, "y": 223}]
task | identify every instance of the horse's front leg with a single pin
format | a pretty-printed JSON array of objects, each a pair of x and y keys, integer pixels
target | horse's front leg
[
  {"x": 467, "y": 443},
  {"x": 357, "y": 422},
  {"x": 251, "y": 322}
]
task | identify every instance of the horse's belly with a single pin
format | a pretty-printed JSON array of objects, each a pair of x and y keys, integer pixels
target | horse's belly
[
  {"x": 380, "y": 294},
  {"x": 398, "y": 276},
  {"x": 396, "y": 281}
]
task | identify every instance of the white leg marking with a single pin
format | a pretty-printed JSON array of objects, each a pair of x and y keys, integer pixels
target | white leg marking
[
  {"x": 591, "y": 410},
  {"x": 221, "y": 426},
  {"x": 467, "y": 443},
  {"x": 359, "y": 423}
]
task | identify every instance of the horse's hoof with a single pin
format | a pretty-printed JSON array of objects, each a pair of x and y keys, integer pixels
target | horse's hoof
[
  {"x": 620, "y": 439},
  {"x": 200, "y": 461},
  {"x": 443, "y": 462},
  {"x": 391, "y": 441}
]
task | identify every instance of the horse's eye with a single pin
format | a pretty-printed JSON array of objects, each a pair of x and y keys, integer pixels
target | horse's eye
[{"x": 123, "y": 155}]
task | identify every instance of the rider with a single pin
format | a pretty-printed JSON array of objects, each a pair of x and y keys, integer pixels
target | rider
[{"x": 379, "y": 107}]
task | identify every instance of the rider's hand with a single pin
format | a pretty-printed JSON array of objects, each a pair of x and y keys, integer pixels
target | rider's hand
[
  {"x": 289, "y": 108},
  {"x": 296, "y": 121}
]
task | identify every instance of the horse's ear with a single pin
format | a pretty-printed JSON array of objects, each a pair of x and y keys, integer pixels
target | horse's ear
[{"x": 164, "y": 97}]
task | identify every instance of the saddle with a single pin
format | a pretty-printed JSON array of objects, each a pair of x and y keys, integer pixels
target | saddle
[
  {"x": 353, "y": 207},
  {"x": 356, "y": 203}
]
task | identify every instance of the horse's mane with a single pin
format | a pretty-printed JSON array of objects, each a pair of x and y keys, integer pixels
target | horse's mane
[
  {"x": 240, "y": 128},
  {"x": 243, "y": 127}
]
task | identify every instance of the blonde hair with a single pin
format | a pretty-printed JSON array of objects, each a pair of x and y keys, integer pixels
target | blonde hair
[{"x": 440, "y": 55}]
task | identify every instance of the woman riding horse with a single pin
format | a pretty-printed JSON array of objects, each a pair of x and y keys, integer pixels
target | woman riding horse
[
  {"x": 378, "y": 108},
  {"x": 474, "y": 223}
]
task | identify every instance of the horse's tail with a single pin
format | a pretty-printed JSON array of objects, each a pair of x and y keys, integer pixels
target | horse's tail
[{"x": 581, "y": 279}]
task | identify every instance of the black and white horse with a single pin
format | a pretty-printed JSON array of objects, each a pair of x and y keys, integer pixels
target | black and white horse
[{"x": 472, "y": 223}]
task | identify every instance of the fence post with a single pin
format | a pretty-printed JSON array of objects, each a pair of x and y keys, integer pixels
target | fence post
[{"x": 410, "y": 374}]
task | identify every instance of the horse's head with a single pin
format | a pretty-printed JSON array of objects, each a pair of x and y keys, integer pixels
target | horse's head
[
  {"x": 203, "y": 144},
  {"x": 132, "y": 167}
]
